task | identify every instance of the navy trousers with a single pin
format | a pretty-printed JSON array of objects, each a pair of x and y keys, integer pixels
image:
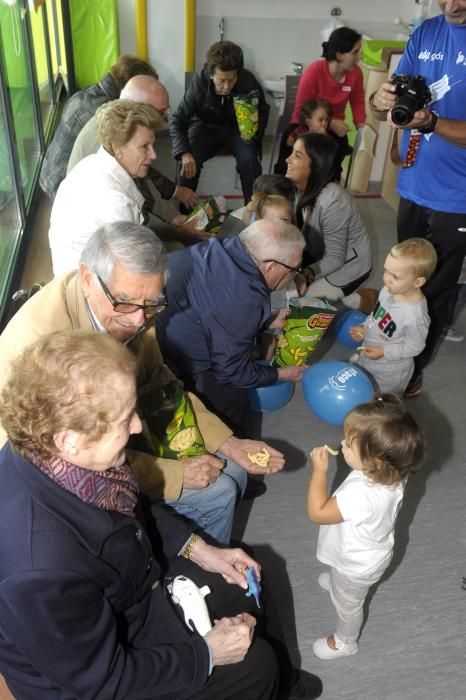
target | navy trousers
[{"x": 205, "y": 143}]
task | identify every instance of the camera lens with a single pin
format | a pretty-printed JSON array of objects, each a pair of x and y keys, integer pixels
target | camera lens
[{"x": 401, "y": 114}]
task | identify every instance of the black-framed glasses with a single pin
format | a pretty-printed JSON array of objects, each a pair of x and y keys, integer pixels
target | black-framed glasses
[
  {"x": 126, "y": 307},
  {"x": 296, "y": 270}
]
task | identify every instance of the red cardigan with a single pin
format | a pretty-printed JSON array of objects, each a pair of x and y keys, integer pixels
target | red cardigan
[{"x": 316, "y": 82}]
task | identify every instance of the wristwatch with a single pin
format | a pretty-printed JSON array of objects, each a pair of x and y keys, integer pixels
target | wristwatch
[{"x": 430, "y": 128}]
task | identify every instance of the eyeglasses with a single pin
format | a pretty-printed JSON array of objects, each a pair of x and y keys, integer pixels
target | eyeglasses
[
  {"x": 296, "y": 270},
  {"x": 125, "y": 307}
]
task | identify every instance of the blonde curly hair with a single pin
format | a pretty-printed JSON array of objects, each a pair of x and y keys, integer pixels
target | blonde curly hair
[
  {"x": 117, "y": 121},
  {"x": 64, "y": 381}
]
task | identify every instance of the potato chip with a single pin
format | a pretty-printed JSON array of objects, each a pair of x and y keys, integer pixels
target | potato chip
[
  {"x": 260, "y": 458},
  {"x": 183, "y": 439}
]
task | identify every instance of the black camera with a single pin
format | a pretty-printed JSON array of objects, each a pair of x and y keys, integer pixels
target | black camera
[{"x": 413, "y": 94}]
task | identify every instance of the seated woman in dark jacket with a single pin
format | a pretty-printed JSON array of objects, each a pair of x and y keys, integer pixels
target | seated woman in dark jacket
[
  {"x": 83, "y": 607},
  {"x": 205, "y": 120},
  {"x": 337, "y": 245}
]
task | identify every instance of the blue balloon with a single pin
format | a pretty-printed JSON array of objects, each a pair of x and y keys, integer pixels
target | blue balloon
[
  {"x": 332, "y": 389},
  {"x": 343, "y": 323},
  {"x": 272, "y": 397}
]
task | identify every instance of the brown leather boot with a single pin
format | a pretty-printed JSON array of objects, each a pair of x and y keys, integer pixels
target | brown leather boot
[{"x": 368, "y": 299}]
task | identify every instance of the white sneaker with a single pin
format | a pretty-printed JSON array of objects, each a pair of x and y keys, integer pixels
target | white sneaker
[
  {"x": 324, "y": 580},
  {"x": 453, "y": 335},
  {"x": 323, "y": 651}
]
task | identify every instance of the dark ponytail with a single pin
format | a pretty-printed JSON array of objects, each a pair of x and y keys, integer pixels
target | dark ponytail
[{"x": 341, "y": 40}]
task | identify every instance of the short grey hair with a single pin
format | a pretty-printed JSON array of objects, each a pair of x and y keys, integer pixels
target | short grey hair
[
  {"x": 134, "y": 246},
  {"x": 272, "y": 238}
]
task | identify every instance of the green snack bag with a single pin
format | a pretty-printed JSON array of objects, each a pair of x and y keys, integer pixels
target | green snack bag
[
  {"x": 303, "y": 330},
  {"x": 247, "y": 114},
  {"x": 166, "y": 409},
  {"x": 209, "y": 215}
]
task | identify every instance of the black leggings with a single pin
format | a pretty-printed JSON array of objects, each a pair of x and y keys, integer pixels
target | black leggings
[
  {"x": 267, "y": 665},
  {"x": 447, "y": 233}
]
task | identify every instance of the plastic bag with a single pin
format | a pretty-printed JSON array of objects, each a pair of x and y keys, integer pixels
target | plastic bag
[
  {"x": 169, "y": 416},
  {"x": 209, "y": 215},
  {"x": 247, "y": 114},
  {"x": 303, "y": 330}
]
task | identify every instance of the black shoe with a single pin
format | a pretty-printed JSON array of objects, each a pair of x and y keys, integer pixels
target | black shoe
[
  {"x": 304, "y": 686},
  {"x": 254, "y": 489}
]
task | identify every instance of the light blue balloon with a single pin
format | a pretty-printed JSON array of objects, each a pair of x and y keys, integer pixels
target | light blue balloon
[
  {"x": 272, "y": 397},
  {"x": 332, "y": 389},
  {"x": 343, "y": 323}
]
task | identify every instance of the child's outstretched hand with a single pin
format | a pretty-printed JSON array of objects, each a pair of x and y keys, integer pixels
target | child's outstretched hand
[
  {"x": 373, "y": 352},
  {"x": 319, "y": 459},
  {"x": 357, "y": 333}
]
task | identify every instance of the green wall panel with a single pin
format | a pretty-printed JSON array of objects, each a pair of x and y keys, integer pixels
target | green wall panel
[{"x": 94, "y": 29}]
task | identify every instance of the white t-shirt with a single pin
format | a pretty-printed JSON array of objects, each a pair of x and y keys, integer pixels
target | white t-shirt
[{"x": 361, "y": 546}]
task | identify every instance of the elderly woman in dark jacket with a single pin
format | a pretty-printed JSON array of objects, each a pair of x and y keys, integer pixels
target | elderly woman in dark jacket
[
  {"x": 205, "y": 120},
  {"x": 83, "y": 607}
]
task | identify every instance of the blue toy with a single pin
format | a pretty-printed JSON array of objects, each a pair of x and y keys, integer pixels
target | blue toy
[
  {"x": 272, "y": 397},
  {"x": 343, "y": 323},
  {"x": 254, "y": 584},
  {"x": 332, "y": 389}
]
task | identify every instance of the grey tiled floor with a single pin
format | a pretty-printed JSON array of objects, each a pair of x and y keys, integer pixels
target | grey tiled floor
[{"x": 412, "y": 645}]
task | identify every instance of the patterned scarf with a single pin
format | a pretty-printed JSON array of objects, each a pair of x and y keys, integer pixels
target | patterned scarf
[{"x": 115, "y": 489}]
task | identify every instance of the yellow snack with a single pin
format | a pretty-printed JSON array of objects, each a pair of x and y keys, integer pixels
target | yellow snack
[
  {"x": 331, "y": 451},
  {"x": 260, "y": 458},
  {"x": 183, "y": 439}
]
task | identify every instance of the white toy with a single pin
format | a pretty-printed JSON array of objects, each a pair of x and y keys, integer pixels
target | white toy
[{"x": 190, "y": 598}]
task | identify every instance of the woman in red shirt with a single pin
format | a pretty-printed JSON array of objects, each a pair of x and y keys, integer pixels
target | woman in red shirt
[{"x": 337, "y": 78}]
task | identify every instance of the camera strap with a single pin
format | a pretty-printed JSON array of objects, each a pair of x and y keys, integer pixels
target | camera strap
[{"x": 413, "y": 147}]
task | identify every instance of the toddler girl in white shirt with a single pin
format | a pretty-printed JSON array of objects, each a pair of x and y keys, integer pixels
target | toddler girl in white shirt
[{"x": 382, "y": 445}]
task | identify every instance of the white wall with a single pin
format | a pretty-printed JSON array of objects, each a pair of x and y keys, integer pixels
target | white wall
[
  {"x": 272, "y": 33},
  {"x": 165, "y": 37},
  {"x": 127, "y": 26}
]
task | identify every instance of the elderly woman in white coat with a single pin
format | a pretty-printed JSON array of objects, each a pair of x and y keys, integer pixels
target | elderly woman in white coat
[{"x": 101, "y": 188}]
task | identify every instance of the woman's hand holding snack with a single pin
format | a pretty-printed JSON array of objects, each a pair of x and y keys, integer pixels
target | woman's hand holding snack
[
  {"x": 201, "y": 471},
  {"x": 240, "y": 451}
]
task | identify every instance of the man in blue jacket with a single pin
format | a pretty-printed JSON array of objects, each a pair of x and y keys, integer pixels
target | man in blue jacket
[{"x": 218, "y": 297}]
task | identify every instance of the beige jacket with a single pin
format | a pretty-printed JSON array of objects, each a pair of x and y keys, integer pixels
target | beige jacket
[{"x": 61, "y": 305}]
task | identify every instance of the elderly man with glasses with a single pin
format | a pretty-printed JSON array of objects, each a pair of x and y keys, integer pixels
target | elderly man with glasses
[
  {"x": 218, "y": 301},
  {"x": 119, "y": 289}
]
